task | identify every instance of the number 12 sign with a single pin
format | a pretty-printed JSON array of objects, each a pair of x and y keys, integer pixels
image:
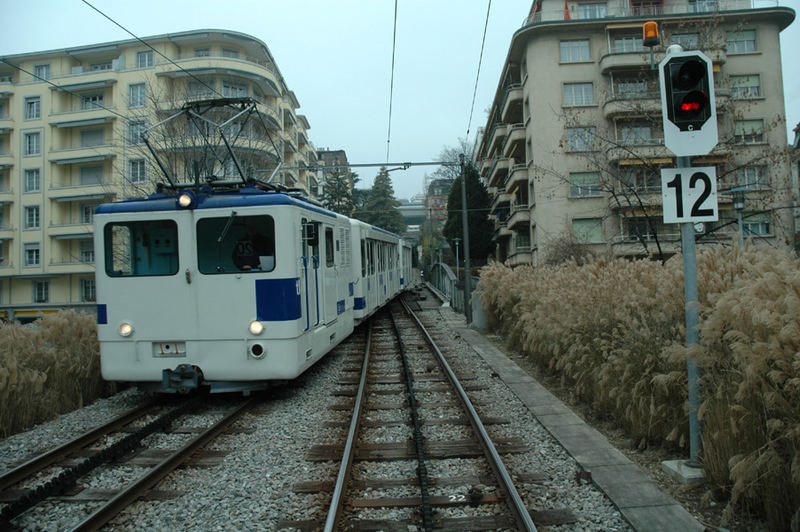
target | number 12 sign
[{"x": 689, "y": 194}]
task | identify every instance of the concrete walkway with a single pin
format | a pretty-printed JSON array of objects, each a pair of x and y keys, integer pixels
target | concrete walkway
[{"x": 639, "y": 499}]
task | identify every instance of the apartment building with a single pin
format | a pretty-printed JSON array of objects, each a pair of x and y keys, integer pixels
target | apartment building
[
  {"x": 573, "y": 145},
  {"x": 70, "y": 124}
]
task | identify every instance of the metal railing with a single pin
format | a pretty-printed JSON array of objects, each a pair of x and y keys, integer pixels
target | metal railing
[{"x": 449, "y": 286}]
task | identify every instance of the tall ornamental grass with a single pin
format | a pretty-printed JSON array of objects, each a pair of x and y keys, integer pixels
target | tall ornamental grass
[
  {"x": 613, "y": 330},
  {"x": 47, "y": 369}
]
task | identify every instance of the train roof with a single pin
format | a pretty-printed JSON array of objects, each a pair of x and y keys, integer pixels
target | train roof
[{"x": 245, "y": 197}]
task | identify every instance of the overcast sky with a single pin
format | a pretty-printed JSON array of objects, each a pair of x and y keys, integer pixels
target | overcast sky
[{"x": 336, "y": 56}]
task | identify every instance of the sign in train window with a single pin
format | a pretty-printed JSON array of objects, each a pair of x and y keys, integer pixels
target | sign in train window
[{"x": 236, "y": 244}]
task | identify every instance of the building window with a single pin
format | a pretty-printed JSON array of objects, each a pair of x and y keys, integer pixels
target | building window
[
  {"x": 584, "y": 184},
  {"x": 87, "y": 213},
  {"x": 702, "y": 6},
  {"x": 624, "y": 44},
  {"x": 633, "y": 88},
  {"x": 200, "y": 89},
  {"x": 640, "y": 229},
  {"x": 92, "y": 175},
  {"x": 740, "y": 42},
  {"x": 32, "y": 217},
  {"x": 41, "y": 72},
  {"x": 41, "y": 291},
  {"x": 580, "y": 138},
  {"x": 101, "y": 65},
  {"x": 576, "y": 94},
  {"x": 91, "y": 101},
  {"x": 88, "y": 290},
  {"x": 92, "y": 137},
  {"x": 202, "y": 52},
  {"x": 689, "y": 41},
  {"x": 752, "y": 177},
  {"x": 230, "y": 52},
  {"x": 522, "y": 242},
  {"x": 636, "y": 134},
  {"x": 33, "y": 108},
  {"x": 144, "y": 59},
  {"x": 32, "y": 254},
  {"x": 135, "y": 130},
  {"x": 33, "y": 143},
  {"x": 32, "y": 180},
  {"x": 233, "y": 89},
  {"x": 594, "y": 10},
  {"x": 87, "y": 250},
  {"x": 748, "y": 131},
  {"x": 136, "y": 171},
  {"x": 748, "y": 86},
  {"x": 640, "y": 179},
  {"x": 137, "y": 95},
  {"x": 587, "y": 230},
  {"x": 575, "y": 51},
  {"x": 756, "y": 223}
]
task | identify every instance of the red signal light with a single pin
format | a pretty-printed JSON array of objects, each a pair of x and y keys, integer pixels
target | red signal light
[{"x": 690, "y": 106}]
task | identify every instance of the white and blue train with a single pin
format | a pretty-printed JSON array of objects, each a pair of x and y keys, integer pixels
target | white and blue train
[{"x": 233, "y": 288}]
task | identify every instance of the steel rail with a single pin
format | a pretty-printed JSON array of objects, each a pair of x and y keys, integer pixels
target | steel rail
[
  {"x": 133, "y": 491},
  {"x": 334, "y": 511},
  {"x": 37, "y": 463},
  {"x": 521, "y": 514}
]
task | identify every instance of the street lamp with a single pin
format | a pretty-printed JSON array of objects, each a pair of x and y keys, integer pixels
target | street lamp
[{"x": 456, "y": 240}]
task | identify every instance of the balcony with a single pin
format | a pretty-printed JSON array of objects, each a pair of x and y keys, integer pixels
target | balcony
[
  {"x": 501, "y": 200},
  {"x": 644, "y": 105},
  {"x": 520, "y": 255},
  {"x": 515, "y": 141},
  {"x": 517, "y": 177},
  {"x": 498, "y": 171},
  {"x": 638, "y": 153},
  {"x": 258, "y": 73},
  {"x": 89, "y": 154},
  {"x": 575, "y": 13},
  {"x": 496, "y": 138},
  {"x": 511, "y": 106},
  {"x": 519, "y": 215},
  {"x": 501, "y": 229},
  {"x": 93, "y": 192}
]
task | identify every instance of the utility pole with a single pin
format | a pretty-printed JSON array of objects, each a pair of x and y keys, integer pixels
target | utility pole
[{"x": 465, "y": 229}]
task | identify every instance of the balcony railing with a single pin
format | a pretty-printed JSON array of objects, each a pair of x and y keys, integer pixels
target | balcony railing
[{"x": 574, "y": 12}]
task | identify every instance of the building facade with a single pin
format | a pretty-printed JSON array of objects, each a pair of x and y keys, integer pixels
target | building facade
[
  {"x": 573, "y": 146},
  {"x": 70, "y": 125}
]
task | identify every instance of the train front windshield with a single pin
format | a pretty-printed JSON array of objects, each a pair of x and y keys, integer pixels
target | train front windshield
[{"x": 236, "y": 244}]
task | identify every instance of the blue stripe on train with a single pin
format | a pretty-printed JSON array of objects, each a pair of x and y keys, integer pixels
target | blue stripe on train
[
  {"x": 360, "y": 303},
  {"x": 340, "y": 307},
  {"x": 102, "y": 314},
  {"x": 278, "y": 299}
]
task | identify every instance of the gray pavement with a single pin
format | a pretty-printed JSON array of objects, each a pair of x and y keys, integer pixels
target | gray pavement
[{"x": 640, "y": 500}]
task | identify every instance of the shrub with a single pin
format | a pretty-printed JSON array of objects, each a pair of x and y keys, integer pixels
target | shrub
[
  {"x": 614, "y": 331},
  {"x": 47, "y": 369}
]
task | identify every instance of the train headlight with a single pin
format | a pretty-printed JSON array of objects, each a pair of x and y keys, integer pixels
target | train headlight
[
  {"x": 125, "y": 330},
  {"x": 186, "y": 200},
  {"x": 256, "y": 327}
]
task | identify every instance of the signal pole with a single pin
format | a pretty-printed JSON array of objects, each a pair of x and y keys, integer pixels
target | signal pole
[{"x": 465, "y": 229}]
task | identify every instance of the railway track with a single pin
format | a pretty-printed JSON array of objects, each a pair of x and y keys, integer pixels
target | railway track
[
  {"x": 54, "y": 475},
  {"x": 416, "y": 453}
]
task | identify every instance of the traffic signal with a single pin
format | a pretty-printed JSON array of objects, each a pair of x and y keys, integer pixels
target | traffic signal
[{"x": 687, "y": 102}]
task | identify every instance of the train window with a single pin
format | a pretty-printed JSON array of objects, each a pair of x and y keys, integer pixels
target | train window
[
  {"x": 141, "y": 248},
  {"x": 233, "y": 244},
  {"x": 329, "y": 259},
  {"x": 310, "y": 239},
  {"x": 363, "y": 258}
]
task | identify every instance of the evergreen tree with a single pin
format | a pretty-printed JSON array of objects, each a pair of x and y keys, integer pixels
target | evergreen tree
[
  {"x": 337, "y": 194},
  {"x": 380, "y": 208},
  {"x": 479, "y": 203}
]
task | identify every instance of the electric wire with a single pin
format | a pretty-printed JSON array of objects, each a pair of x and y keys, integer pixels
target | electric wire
[
  {"x": 212, "y": 89},
  {"x": 480, "y": 60},
  {"x": 391, "y": 81}
]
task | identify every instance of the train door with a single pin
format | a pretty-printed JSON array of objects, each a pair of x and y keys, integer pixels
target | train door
[
  {"x": 310, "y": 272},
  {"x": 329, "y": 275}
]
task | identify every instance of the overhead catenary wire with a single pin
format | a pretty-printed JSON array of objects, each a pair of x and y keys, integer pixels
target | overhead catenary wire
[
  {"x": 391, "y": 82},
  {"x": 480, "y": 60}
]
